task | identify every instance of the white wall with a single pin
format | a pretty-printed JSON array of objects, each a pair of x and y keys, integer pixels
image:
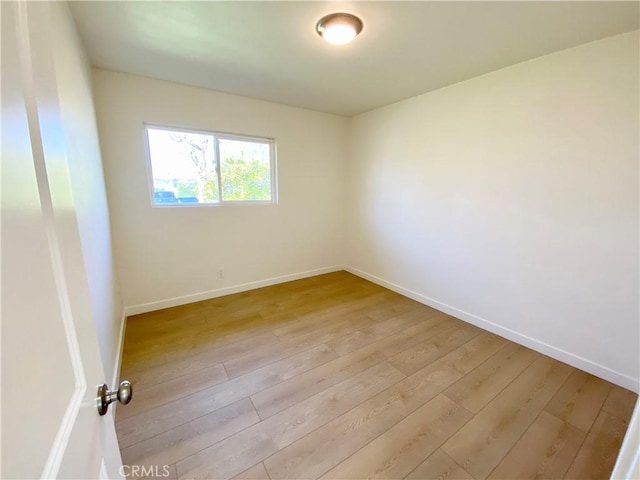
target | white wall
[
  {"x": 167, "y": 256},
  {"x": 511, "y": 201},
  {"x": 73, "y": 76}
]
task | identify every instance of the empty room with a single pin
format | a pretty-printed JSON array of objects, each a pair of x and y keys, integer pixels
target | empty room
[{"x": 338, "y": 240}]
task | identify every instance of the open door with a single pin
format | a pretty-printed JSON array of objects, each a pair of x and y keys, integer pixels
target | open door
[{"x": 51, "y": 366}]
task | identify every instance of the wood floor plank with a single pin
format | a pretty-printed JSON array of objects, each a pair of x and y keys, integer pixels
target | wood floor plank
[
  {"x": 257, "y": 472},
  {"x": 285, "y": 348},
  {"x": 392, "y": 345},
  {"x": 270, "y": 401},
  {"x": 330, "y": 304},
  {"x": 398, "y": 305},
  {"x": 252, "y": 445},
  {"x": 197, "y": 330},
  {"x": 319, "y": 332},
  {"x": 180, "y": 442},
  {"x": 597, "y": 456},
  {"x": 579, "y": 400},
  {"x": 215, "y": 326},
  {"x": 269, "y": 353},
  {"x": 545, "y": 451},
  {"x": 279, "y": 397},
  {"x": 174, "y": 389},
  {"x": 349, "y": 322},
  {"x": 343, "y": 323},
  {"x": 310, "y": 321},
  {"x": 421, "y": 355},
  {"x": 236, "y": 317},
  {"x": 318, "y": 300},
  {"x": 188, "y": 336},
  {"x": 144, "y": 377},
  {"x": 481, "y": 385},
  {"x": 324, "y": 448},
  {"x": 159, "y": 419},
  {"x": 378, "y": 330},
  {"x": 468, "y": 356},
  {"x": 404, "y": 446},
  {"x": 441, "y": 466},
  {"x": 482, "y": 443},
  {"x": 620, "y": 402}
]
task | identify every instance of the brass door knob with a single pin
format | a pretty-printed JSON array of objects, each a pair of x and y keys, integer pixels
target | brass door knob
[{"x": 106, "y": 397}]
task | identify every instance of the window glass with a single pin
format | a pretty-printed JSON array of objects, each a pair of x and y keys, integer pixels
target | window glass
[{"x": 192, "y": 168}]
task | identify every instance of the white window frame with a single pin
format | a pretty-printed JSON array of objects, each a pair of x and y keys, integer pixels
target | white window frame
[{"x": 217, "y": 136}]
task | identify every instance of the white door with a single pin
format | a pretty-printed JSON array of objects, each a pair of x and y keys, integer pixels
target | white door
[{"x": 51, "y": 365}]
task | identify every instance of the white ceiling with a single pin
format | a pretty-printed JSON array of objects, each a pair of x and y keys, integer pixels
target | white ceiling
[{"x": 270, "y": 50}]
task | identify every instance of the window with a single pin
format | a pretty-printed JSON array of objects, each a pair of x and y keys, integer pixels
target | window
[{"x": 191, "y": 167}]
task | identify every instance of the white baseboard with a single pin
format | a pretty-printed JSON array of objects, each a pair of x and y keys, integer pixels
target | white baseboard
[
  {"x": 197, "y": 297},
  {"x": 542, "y": 347},
  {"x": 116, "y": 368}
]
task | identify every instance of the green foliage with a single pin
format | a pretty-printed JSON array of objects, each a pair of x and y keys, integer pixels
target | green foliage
[
  {"x": 245, "y": 179},
  {"x": 210, "y": 188},
  {"x": 186, "y": 188}
]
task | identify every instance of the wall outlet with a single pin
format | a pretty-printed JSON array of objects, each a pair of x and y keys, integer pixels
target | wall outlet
[{"x": 220, "y": 272}]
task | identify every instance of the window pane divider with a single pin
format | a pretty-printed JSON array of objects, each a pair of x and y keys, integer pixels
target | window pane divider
[{"x": 216, "y": 154}]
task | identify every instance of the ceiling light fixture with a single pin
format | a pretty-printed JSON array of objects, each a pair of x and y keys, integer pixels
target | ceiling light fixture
[{"x": 339, "y": 28}]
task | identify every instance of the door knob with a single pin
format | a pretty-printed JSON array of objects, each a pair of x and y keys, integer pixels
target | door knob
[{"x": 106, "y": 397}]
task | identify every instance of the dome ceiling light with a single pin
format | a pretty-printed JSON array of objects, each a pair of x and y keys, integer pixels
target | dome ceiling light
[{"x": 339, "y": 28}]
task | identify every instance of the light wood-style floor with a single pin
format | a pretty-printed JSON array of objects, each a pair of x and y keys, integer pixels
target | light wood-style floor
[{"x": 335, "y": 377}]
